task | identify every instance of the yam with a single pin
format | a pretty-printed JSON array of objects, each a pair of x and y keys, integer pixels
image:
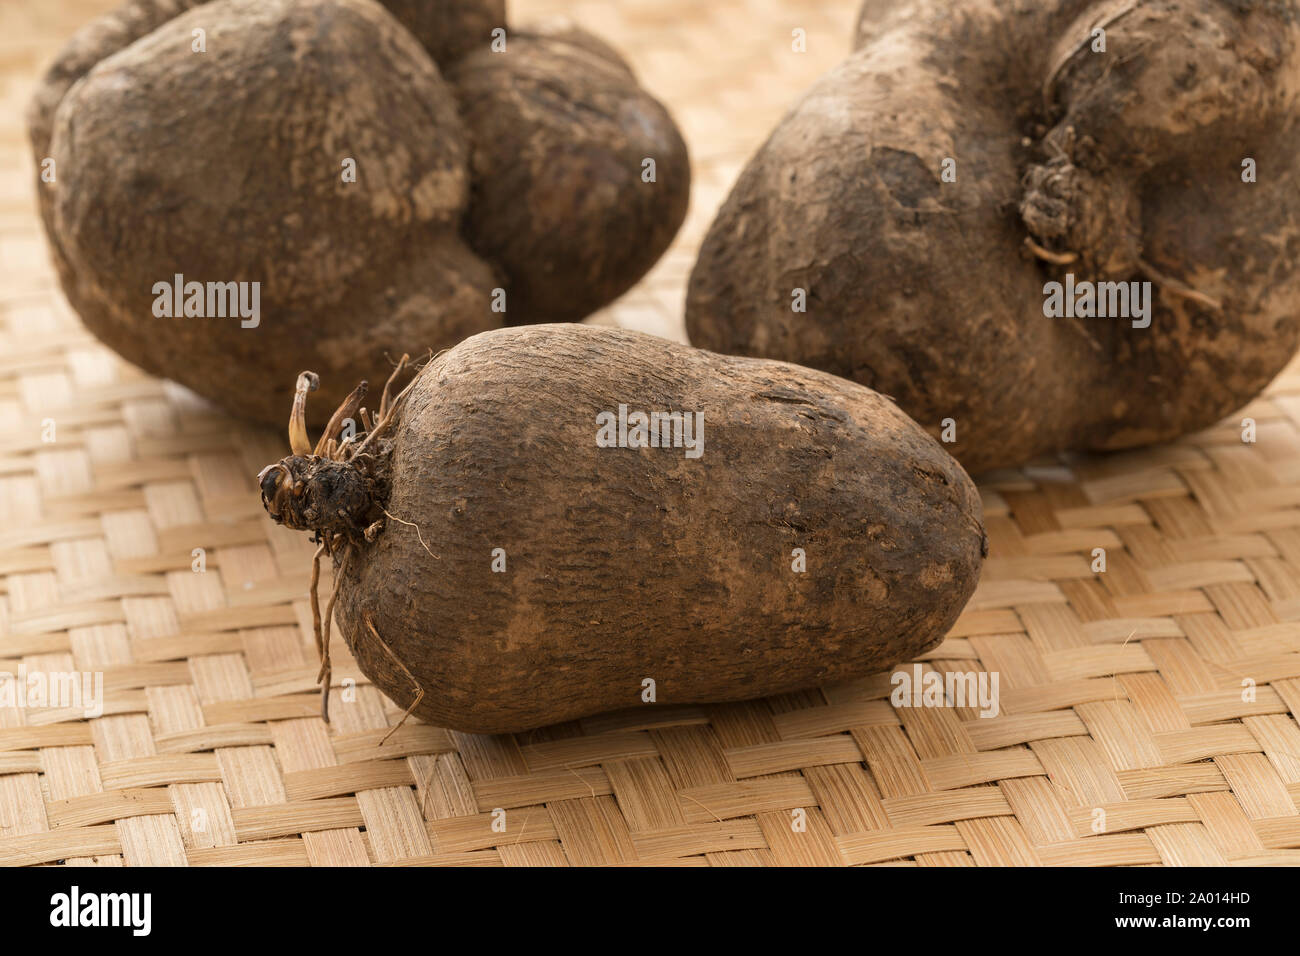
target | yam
[
  {"x": 909, "y": 221},
  {"x": 501, "y": 567},
  {"x": 245, "y": 187}
]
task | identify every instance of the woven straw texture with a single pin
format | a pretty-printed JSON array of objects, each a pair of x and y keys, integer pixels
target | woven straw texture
[{"x": 1146, "y": 713}]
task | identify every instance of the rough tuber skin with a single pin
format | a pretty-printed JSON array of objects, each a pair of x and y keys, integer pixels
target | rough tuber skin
[
  {"x": 227, "y": 166},
  {"x": 560, "y": 204},
  {"x": 621, "y": 564},
  {"x": 1124, "y": 165}
]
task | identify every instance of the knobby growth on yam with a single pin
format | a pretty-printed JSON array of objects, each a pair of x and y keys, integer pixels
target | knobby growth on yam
[{"x": 336, "y": 491}]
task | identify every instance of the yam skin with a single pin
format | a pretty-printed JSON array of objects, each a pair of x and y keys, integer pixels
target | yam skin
[
  {"x": 449, "y": 29},
  {"x": 624, "y": 563},
  {"x": 283, "y": 217},
  {"x": 557, "y": 106},
  {"x": 226, "y": 167},
  {"x": 1127, "y": 162}
]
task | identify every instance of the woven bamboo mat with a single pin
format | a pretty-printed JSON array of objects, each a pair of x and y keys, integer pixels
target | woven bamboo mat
[{"x": 1146, "y": 712}]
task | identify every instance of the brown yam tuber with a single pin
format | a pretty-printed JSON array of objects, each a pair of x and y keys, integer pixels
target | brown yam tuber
[
  {"x": 245, "y": 187},
  {"x": 501, "y": 567},
  {"x": 921, "y": 200}
]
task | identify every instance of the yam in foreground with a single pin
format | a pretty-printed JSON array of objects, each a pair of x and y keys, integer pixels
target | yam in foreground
[
  {"x": 513, "y": 549},
  {"x": 236, "y": 189},
  {"x": 921, "y": 199}
]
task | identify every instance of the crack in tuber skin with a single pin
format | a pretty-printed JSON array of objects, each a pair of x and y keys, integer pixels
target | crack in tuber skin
[{"x": 1117, "y": 166}]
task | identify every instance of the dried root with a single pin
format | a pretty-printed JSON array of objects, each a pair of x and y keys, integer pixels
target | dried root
[
  {"x": 326, "y": 669},
  {"x": 345, "y": 411},
  {"x": 299, "y": 444},
  {"x": 316, "y": 630},
  {"x": 336, "y": 490},
  {"x": 410, "y": 524},
  {"x": 387, "y": 408},
  {"x": 1056, "y": 258},
  {"x": 419, "y": 691},
  {"x": 1179, "y": 288}
]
